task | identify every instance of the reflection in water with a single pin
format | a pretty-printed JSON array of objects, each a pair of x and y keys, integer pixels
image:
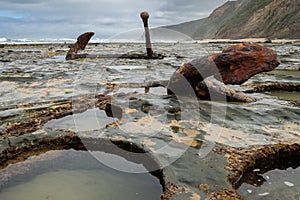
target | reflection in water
[
  {"x": 70, "y": 174},
  {"x": 274, "y": 184},
  {"x": 93, "y": 119}
]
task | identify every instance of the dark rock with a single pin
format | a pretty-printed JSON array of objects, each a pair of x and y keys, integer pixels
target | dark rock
[
  {"x": 142, "y": 56},
  {"x": 291, "y": 87},
  {"x": 113, "y": 111},
  {"x": 268, "y": 40},
  {"x": 4, "y": 60},
  {"x": 123, "y": 56},
  {"x": 81, "y": 43}
]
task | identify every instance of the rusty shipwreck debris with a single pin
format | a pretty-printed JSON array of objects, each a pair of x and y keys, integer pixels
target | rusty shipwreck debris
[
  {"x": 83, "y": 40},
  {"x": 80, "y": 44},
  {"x": 212, "y": 89},
  {"x": 240, "y": 62},
  {"x": 145, "y": 16},
  {"x": 235, "y": 65}
]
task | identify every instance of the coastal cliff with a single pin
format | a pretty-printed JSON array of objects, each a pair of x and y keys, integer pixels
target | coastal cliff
[{"x": 245, "y": 19}]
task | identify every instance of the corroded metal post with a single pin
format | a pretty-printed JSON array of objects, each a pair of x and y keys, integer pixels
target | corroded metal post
[
  {"x": 145, "y": 17},
  {"x": 80, "y": 44}
]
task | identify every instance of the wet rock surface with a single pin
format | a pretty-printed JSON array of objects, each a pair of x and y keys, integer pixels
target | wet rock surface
[
  {"x": 275, "y": 87},
  {"x": 40, "y": 116},
  {"x": 136, "y": 55},
  {"x": 39, "y": 87}
]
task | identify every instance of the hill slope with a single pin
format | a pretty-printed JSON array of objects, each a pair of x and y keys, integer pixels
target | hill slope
[{"x": 247, "y": 18}]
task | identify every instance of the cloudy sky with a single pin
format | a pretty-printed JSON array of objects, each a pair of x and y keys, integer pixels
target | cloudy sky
[{"x": 69, "y": 18}]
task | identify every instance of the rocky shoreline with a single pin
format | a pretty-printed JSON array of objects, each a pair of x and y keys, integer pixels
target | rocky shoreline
[{"x": 22, "y": 131}]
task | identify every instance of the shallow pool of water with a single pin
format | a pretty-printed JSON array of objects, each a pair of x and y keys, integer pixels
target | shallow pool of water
[
  {"x": 285, "y": 95},
  {"x": 70, "y": 174},
  {"x": 92, "y": 119},
  {"x": 273, "y": 185}
]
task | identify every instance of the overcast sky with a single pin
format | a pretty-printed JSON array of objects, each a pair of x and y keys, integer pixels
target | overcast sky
[{"x": 69, "y": 18}]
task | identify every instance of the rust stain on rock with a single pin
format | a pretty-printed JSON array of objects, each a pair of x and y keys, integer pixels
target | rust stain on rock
[
  {"x": 224, "y": 195},
  {"x": 172, "y": 189}
]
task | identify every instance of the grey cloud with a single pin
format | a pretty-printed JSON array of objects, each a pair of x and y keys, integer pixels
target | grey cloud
[
  {"x": 20, "y": 1},
  {"x": 107, "y": 17}
]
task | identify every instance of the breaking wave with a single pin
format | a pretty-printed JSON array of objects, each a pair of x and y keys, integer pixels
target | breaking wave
[{"x": 4, "y": 40}]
